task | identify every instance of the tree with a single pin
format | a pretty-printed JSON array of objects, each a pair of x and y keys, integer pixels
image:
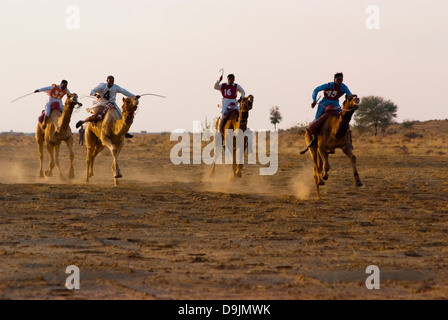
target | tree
[
  {"x": 275, "y": 117},
  {"x": 375, "y": 112},
  {"x": 206, "y": 130}
]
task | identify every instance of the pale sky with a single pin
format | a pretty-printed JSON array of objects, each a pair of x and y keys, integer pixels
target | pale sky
[{"x": 279, "y": 51}]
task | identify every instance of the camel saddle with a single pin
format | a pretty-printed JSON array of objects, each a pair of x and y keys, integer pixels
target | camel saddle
[
  {"x": 315, "y": 127},
  {"x": 102, "y": 110},
  {"x": 231, "y": 109},
  {"x": 54, "y": 106}
]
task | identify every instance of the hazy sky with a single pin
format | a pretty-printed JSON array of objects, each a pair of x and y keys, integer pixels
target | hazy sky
[{"x": 279, "y": 51}]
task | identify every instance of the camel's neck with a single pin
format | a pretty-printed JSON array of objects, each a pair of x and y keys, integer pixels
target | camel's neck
[
  {"x": 64, "y": 120},
  {"x": 124, "y": 124},
  {"x": 344, "y": 122},
  {"x": 242, "y": 120}
]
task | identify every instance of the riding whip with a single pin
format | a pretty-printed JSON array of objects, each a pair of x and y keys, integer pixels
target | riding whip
[
  {"x": 86, "y": 96},
  {"x": 22, "y": 97},
  {"x": 152, "y": 94}
]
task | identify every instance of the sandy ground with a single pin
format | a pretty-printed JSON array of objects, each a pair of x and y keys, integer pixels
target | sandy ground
[{"x": 172, "y": 232}]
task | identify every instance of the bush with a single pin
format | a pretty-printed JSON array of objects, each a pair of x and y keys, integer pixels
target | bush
[
  {"x": 407, "y": 124},
  {"x": 412, "y": 135}
]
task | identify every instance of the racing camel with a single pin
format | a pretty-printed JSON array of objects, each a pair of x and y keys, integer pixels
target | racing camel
[
  {"x": 56, "y": 131},
  {"x": 110, "y": 133},
  {"x": 334, "y": 133},
  {"x": 236, "y": 120}
]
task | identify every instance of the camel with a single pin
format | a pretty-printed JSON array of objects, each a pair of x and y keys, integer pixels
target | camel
[
  {"x": 56, "y": 131},
  {"x": 335, "y": 133},
  {"x": 110, "y": 133},
  {"x": 236, "y": 120}
]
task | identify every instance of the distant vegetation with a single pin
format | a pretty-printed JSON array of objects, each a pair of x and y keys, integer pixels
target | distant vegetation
[
  {"x": 275, "y": 116},
  {"x": 407, "y": 124},
  {"x": 375, "y": 113}
]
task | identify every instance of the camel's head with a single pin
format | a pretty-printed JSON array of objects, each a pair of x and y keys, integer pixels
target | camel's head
[
  {"x": 72, "y": 99},
  {"x": 351, "y": 103},
  {"x": 130, "y": 105},
  {"x": 247, "y": 103}
]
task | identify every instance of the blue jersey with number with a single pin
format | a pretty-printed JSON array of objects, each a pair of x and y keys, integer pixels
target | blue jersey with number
[{"x": 331, "y": 96}]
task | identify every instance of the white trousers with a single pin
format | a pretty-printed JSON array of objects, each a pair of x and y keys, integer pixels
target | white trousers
[
  {"x": 225, "y": 105},
  {"x": 93, "y": 109},
  {"x": 50, "y": 101}
]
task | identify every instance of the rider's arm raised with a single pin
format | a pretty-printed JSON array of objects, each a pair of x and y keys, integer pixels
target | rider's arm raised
[
  {"x": 217, "y": 86},
  {"x": 46, "y": 89},
  {"x": 125, "y": 92}
]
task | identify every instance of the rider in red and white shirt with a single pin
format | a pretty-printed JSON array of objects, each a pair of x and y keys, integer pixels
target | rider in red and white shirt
[
  {"x": 55, "y": 94},
  {"x": 229, "y": 93}
]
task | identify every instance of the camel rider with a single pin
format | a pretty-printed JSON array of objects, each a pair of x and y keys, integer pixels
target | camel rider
[
  {"x": 106, "y": 94},
  {"x": 55, "y": 94},
  {"x": 332, "y": 92},
  {"x": 229, "y": 93}
]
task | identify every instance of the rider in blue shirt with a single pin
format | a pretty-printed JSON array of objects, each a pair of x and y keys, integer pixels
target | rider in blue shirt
[{"x": 332, "y": 92}]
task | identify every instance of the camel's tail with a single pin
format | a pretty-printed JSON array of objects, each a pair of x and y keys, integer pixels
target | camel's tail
[{"x": 304, "y": 151}]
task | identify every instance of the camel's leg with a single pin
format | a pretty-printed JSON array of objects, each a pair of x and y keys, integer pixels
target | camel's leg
[
  {"x": 239, "y": 169},
  {"x": 320, "y": 168},
  {"x": 325, "y": 164},
  {"x": 40, "y": 146},
  {"x": 117, "y": 173},
  {"x": 93, "y": 146},
  {"x": 96, "y": 151},
  {"x": 240, "y": 159},
  {"x": 92, "y": 161},
  {"x": 114, "y": 150},
  {"x": 215, "y": 155},
  {"x": 117, "y": 168},
  {"x": 50, "y": 148},
  {"x": 349, "y": 153},
  {"x": 234, "y": 162},
  {"x": 316, "y": 184},
  {"x": 56, "y": 160},
  {"x": 317, "y": 166},
  {"x": 92, "y": 152},
  {"x": 89, "y": 164},
  {"x": 71, "y": 156},
  {"x": 88, "y": 161},
  {"x": 234, "y": 170}
]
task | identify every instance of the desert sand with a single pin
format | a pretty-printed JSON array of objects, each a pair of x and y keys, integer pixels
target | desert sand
[{"x": 172, "y": 232}]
